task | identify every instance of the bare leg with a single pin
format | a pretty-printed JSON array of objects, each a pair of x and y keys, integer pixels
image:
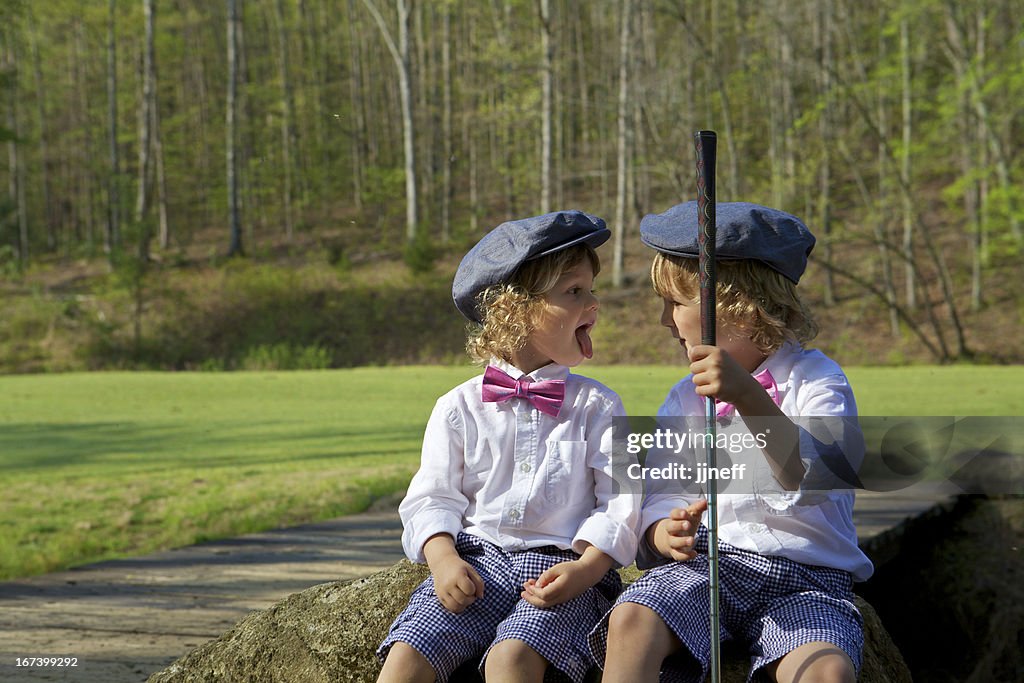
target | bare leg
[
  {"x": 405, "y": 664},
  {"x": 817, "y": 662},
  {"x": 638, "y": 641},
  {"x": 513, "y": 661}
]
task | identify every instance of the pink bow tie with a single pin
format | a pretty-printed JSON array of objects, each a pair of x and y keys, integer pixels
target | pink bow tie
[
  {"x": 546, "y": 395},
  {"x": 765, "y": 379}
]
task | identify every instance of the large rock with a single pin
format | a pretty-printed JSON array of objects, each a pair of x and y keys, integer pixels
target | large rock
[
  {"x": 328, "y": 633},
  {"x": 951, "y": 594}
]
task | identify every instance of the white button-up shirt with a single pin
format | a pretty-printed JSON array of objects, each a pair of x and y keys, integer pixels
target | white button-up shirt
[
  {"x": 519, "y": 478},
  {"x": 813, "y": 525}
]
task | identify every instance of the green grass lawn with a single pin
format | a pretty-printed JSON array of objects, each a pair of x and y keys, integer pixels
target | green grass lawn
[{"x": 101, "y": 465}]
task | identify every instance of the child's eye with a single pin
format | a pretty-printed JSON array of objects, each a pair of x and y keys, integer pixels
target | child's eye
[{"x": 574, "y": 290}]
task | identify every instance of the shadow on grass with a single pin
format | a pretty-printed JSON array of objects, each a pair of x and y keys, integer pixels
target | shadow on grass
[{"x": 121, "y": 448}]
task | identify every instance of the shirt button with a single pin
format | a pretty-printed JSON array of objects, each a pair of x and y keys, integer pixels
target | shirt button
[
  {"x": 513, "y": 515},
  {"x": 525, "y": 467}
]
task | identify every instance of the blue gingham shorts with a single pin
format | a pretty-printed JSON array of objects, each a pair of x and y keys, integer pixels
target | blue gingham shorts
[
  {"x": 772, "y": 605},
  {"x": 558, "y": 633}
]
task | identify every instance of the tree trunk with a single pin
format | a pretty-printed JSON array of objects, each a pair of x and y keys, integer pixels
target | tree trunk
[
  {"x": 546, "y": 77},
  {"x": 50, "y": 215},
  {"x": 16, "y": 181},
  {"x": 623, "y": 148},
  {"x": 446, "y": 123},
  {"x": 400, "y": 54},
  {"x": 161, "y": 176},
  {"x": 287, "y": 116},
  {"x": 358, "y": 125},
  {"x": 146, "y": 107},
  {"x": 234, "y": 220},
  {"x": 881, "y": 223},
  {"x": 113, "y": 237},
  {"x": 404, "y": 8},
  {"x": 826, "y": 131},
  {"x": 908, "y": 217},
  {"x": 423, "y": 118}
]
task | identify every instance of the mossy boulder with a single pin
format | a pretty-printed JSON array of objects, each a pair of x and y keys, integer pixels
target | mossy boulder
[{"x": 328, "y": 633}]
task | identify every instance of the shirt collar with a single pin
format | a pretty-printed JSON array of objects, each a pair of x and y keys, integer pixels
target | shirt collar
[
  {"x": 779, "y": 358},
  {"x": 549, "y": 371}
]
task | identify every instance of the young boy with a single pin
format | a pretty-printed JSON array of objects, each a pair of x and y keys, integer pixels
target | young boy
[
  {"x": 788, "y": 550},
  {"x": 514, "y": 507}
]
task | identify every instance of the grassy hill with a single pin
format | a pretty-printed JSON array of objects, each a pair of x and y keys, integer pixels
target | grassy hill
[{"x": 341, "y": 299}]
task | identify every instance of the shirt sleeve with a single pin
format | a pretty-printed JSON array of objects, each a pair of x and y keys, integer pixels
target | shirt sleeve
[
  {"x": 434, "y": 503},
  {"x": 831, "y": 444},
  {"x": 661, "y": 496},
  {"x": 612, "y": 525}
]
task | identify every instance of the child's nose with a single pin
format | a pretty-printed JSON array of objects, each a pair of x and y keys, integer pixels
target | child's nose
[
  {"x": 595, "y": 303},
  {"x": 666, "y": 316}
]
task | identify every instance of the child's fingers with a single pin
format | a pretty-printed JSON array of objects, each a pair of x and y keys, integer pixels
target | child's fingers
[
  {"x": 547, "y": 576},
  {"x": 533, "y": 599},
  {"x": 682, "y": 542},
  {"x": 478, "y": 582},
  {"x": 682, "y": 555},
  {"x": 465, "y": 585},
  {"x": 680, "y": 528},
  {"x": 697, "y": 508},
  {"x": 456, "y": 601},
  {"x": 700, "y": 352}
]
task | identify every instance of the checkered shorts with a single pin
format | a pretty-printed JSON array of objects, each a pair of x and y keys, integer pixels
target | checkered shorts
[
  {"x": 558, "y": 633},
  {"x": 772, "y": 605}
]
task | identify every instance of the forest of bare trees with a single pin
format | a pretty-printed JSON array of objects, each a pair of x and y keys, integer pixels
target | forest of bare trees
[{"x": 893, "y": 126}]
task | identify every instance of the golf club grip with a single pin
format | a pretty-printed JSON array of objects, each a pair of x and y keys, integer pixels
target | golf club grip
[{"x": 706, "y": 144}]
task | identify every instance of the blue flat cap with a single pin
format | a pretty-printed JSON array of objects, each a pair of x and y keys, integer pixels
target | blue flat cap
[
  {"x": 745, "y": 231},
  {"x": 498, "y": 255}
]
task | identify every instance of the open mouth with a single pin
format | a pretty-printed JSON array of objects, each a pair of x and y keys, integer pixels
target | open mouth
[{"x": 583, "y": 339}]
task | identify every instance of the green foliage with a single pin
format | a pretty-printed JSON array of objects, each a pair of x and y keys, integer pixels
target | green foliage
[
  {"x": 249, "y": 316},
  {"x": 420, "y": 255},
  {"x": 285, "y": 357},
  {"x": 10, "y": 265}
]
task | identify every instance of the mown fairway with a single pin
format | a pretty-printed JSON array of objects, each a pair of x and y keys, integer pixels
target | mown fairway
[{"x": 100, "y": 465}]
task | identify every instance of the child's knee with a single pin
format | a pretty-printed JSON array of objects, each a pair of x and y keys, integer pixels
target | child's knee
[
  {"x": 629, "y": 617},
  {"x": 406, "y": 663},
  {"x": 836, "y": 668},
  {"x": 513, "y": 655},
  {"x": 818, "y": 662}
]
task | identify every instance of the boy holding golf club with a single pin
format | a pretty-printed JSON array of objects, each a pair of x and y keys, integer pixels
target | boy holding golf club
[
  {"x": 514, "y": 507},
  {"x": 787, "y": 550}
]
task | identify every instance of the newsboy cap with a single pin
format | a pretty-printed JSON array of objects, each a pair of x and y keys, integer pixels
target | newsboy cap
[
  {"x": 744, "y": 231},
  {"x": 500, "y": 252}
]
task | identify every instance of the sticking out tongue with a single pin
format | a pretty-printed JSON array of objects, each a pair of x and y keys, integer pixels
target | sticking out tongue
[{"x": 583, "y": 339}]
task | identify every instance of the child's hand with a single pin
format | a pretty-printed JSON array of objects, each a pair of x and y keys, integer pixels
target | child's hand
[
  {"x": 716, "y": 373},
  {"x": 675, "y": 535},
  {"x": 456, "y": 583},
  {"x": 559, "y": 584},
  {"x": 567, "y": 580}
]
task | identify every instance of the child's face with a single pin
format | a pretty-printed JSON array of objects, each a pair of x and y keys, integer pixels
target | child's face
[
  {"x": 563, "y": 333},
  {"x": 682, "y": 318}
]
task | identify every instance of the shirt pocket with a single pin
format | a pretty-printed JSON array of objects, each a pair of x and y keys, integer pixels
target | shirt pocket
[
  {"x": 772, "y": 499},
  {"x": 565, "y": 462}
]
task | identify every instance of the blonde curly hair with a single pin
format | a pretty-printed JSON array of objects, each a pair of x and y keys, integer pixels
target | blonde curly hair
[
  {"x": 751, "y": 297},
  {"x": 512, "y": 310}
]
